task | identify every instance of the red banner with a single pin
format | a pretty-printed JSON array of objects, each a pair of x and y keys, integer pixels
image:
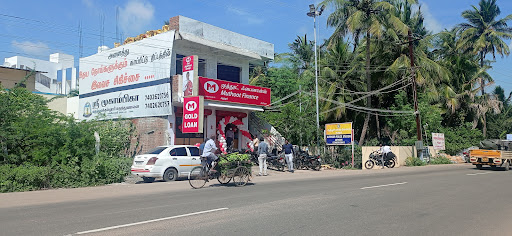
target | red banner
[
  {"x": 192, "y": 115},
  {"x": 225, "y": 91},
  {"x": 188, "y": 63}
]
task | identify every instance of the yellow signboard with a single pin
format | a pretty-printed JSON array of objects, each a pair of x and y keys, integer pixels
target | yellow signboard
[{"x": 338, "y": 128}]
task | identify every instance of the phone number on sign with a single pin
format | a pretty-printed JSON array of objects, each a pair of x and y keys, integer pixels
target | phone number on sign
[
  {"x": 157, "y": 104},
  {"x": 157, "y": 96}
]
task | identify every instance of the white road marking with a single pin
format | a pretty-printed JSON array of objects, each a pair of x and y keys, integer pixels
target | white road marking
[
  {"x": 481, "y": 173},
  {"x": 385, "y": 185},
  {"x": 150, "y": 221}
]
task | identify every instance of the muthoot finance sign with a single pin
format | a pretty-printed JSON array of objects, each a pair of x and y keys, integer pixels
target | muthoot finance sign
[
  {"x": 129, "y": 81},
  {"x": 338, "y": 134}
]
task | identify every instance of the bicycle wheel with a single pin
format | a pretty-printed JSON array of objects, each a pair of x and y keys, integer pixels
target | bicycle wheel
[
  {"x": 197, "y": 177},
  {"x": 224, "y": 179},
  {"x": 241, "y": 176},
  {"x": 369, "y": 164}
]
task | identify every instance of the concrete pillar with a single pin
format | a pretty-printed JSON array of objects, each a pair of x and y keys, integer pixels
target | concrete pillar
[
  {"x": 242, "y": 140},
  {"x": 211, "y": 123},
  {"x": 73, "y": 79},
  {"x": 211, "y": 67},
  {"x": 245, "y": 73},
  {"x": 63, "y": 82}
]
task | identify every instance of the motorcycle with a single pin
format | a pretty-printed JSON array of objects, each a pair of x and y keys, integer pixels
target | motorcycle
[
  {"x": 276, "y": 162},
  {"x": 375, "y": 159},
  {"x": 303, "y": 160}
]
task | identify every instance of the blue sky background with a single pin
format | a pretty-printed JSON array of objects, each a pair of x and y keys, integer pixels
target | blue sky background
[{"x": 39, "y": 28}]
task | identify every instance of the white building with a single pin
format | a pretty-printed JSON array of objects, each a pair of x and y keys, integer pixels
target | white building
[
  {"x": 141, "y": 80},
  {"x": 60, "y": 67}
]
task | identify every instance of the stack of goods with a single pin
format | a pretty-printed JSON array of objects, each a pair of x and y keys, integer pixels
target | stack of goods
[{"x": 233, "y": 160}]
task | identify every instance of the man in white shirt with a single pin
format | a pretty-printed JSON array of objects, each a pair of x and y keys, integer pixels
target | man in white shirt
[
  {"x": 384, "y": 150},
  {"x": 209, "y": 151}
]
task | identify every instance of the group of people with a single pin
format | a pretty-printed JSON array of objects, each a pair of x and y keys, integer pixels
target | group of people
[
  {"x": 208, "y": 149},
  {"x": 263, "y": 153}
]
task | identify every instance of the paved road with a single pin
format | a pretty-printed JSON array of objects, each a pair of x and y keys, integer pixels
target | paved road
[{"x": 434, "y": 200}]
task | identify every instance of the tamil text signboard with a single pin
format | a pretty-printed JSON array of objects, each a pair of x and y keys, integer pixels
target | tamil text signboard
[
  {"x": 132, "y": 80},
  {"x": 338, "y": 134},
  {"x": 438, "y": 141},
  {"x": 193, "y": 112},
  {"x": 225, "y": 91}
]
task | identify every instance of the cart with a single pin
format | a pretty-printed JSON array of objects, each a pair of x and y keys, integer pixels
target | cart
[{"x": 236, "y": 171}]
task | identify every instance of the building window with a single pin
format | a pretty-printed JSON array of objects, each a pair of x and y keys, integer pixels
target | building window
[
  {"x": 228, "y": 73},
  {"x": 179, "y": 66}
]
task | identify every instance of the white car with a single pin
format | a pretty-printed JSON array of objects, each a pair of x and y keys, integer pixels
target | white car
[{"x": 167, "y": 162}]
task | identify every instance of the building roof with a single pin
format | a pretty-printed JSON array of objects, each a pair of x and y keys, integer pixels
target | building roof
[{"x": 11, "y": 68}]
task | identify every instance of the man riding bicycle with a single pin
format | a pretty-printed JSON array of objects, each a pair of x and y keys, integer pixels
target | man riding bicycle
[{"x": 209, "y": 152}]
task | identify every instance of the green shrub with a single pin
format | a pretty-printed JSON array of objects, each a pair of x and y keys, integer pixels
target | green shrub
[
  {"x": 414, "y": 161},
  {"x": 23, "y": 178},
  {"x": 440, "y": 160}
]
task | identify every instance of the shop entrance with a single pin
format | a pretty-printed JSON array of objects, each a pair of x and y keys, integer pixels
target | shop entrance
[{"x": 228, "y": 130}]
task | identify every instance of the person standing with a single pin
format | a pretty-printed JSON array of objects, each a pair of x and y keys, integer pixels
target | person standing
[
  {"x": 288, "y": 154},
  {"x": 262, "y": 156},
  {"x": 230, "y": 136}
]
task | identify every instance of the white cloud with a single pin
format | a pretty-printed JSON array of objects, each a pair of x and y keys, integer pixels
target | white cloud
[
  {"x": 250, "y": 18},
  {"x": 135, "y": 16},
  {"x": 430, "y": 22},
  {"x": 88, "y": 3},
  {"x": 32, "y": 48}
]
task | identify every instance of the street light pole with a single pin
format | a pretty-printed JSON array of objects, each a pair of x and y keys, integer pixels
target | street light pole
[{"x": 314, "y": 13}]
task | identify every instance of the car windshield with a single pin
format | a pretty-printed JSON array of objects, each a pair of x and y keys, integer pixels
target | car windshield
[{"x": 156, "y": 150}]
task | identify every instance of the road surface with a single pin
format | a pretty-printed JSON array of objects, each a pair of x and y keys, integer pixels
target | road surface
[{"x": 432, "y": 200}]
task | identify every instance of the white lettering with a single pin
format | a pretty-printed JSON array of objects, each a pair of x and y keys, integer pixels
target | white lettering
[
  {"x": 190, "y": 125},
  {"x": 191, "y": 116}
]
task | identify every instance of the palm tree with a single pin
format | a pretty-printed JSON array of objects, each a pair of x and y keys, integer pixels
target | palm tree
[
  {"x": 484, "y": 104},
  {"x": 368, "y": 16},
  {"x": 483, "y": 33}
]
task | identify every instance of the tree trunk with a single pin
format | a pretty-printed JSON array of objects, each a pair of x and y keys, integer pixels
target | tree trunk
[
  {"x": 365, "y": 128},
  {"x": 484, "y": 127},
  {"x": 378, "y": 126},
  {"x": 369, "y": 88},
  {"x": 482, "y": 81}
]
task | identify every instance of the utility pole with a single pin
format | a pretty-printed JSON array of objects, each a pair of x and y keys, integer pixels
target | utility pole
[
  {"x": 419, "y": 143},
  {"x": 415, "y": 94},
  {"x": 313, "y": 12}
]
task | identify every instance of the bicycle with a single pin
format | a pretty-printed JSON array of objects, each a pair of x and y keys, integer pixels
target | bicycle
[{"x": 199, "y": 175}]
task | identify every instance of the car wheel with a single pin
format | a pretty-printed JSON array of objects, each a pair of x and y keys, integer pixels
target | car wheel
[
  {"x": 478, "y": 166},
  {"x": 170, "y": 175},
  {"x": 148, "y": 179}
]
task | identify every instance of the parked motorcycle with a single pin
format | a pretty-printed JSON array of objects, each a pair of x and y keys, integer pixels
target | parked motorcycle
[
  {"x": 374, "y": 159},
  {"x": 276, "y": 162}
]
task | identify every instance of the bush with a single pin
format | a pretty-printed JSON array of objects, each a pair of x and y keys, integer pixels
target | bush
[
  {"x": 440, "y": 160},
  {"x": 414, "y": 161},
  {"x": 23, "y": 178},
  {"x": 102, "y": 169}
]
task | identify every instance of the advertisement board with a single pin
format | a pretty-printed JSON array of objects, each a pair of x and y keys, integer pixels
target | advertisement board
[
  {"x": 193, "y": 113},
  {"x": 190, "y": 76},
  {"x": 132, "y": 80},
  {"x": 226, "y": 91},
  {"x": 338, "y": 134},
  {"x": 438, "y": 141}
]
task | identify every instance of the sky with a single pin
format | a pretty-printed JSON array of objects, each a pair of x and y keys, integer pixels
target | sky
[{"x": 36, "y": 29}]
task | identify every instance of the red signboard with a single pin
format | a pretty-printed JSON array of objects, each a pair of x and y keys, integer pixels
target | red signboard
[
  {"x": 225, "y": 91},
  {"x": 192, "y": 115},
  {"x": 189, "y": 74}
]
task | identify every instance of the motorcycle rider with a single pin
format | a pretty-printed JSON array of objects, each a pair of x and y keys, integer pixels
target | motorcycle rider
[{"x": 384, "y": 150}]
